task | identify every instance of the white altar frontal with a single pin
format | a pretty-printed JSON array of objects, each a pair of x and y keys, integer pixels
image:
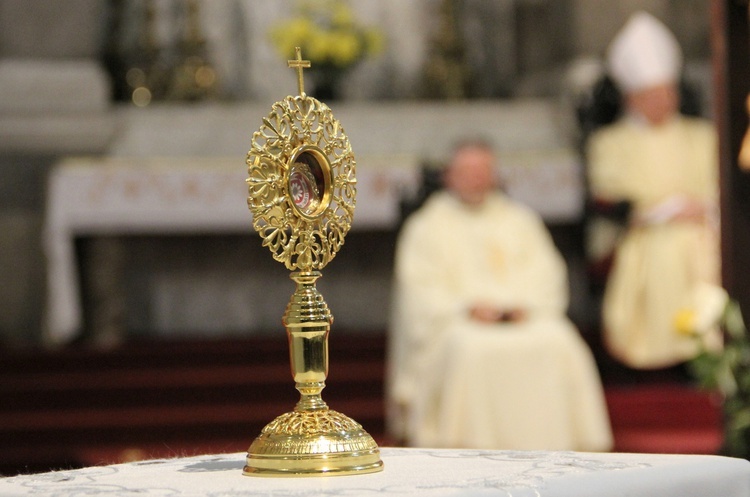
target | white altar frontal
[
  {"x": 168, "y": 196},
  {"x": 413, "y": 472},
  {"x": 180, "y": 170}
]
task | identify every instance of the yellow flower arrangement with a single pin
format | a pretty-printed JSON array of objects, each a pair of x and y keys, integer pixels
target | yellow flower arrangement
[{"x": 329, "y": 36}]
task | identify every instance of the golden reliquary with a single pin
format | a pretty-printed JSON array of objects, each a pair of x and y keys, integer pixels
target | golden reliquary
[{"x": 302, "y": 193}]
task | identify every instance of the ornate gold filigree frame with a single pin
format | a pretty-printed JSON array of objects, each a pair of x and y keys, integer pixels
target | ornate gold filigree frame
[{"x": 303, "y": 238}]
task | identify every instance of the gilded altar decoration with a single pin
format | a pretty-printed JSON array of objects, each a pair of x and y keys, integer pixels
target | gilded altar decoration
[
  {"x": 146, "y": 68},
  {"x": 302, "y": 193},
  {"x": 193, "y": 76},
  {"x": 332, "y": 39},
  {"x": 744, "y": 156}
]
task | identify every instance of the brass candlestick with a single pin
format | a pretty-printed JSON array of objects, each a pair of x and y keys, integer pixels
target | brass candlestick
[{"x": 302, "y": 193}]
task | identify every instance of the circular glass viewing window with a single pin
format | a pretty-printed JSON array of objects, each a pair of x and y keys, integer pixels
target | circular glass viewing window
[{"x": 309, "y": 185}]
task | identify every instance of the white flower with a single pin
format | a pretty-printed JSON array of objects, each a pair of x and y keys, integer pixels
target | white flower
[{"x": 709, "y": 302}]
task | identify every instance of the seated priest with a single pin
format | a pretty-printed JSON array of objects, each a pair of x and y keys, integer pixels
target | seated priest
[{"x": 481, "y": 352}]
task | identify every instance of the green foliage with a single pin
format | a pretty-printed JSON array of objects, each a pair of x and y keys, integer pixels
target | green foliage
[{"x": 727, "y": 371}]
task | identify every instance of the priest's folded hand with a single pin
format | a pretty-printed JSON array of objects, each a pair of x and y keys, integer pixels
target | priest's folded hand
[{"x": 491, "y": 314}]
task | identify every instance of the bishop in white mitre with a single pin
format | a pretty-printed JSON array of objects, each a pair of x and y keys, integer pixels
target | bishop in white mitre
[
  {"x": 665, "y": 165},
  {"x": 481, "y": 352}
]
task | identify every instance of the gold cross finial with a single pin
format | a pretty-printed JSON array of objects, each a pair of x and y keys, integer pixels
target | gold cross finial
[{"x": 299, "y": 64}]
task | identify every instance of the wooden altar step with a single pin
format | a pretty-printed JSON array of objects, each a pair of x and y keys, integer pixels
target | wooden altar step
[{"x": 80, "y": 407}]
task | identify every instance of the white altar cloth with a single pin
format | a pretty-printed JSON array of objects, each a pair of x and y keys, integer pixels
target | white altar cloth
[
  {"x": 416, "y": 472},
  {"x": 176, "y": 195}
]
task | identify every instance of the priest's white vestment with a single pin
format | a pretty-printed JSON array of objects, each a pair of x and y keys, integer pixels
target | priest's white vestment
[
  {"x": 455, "y": 382},
  {"x": 660, "y": 263}
]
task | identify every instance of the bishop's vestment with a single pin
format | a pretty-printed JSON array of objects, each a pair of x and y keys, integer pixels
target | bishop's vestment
[{"x": 660, "y": 263}]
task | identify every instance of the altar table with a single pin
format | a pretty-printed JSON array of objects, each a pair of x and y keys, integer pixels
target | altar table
[
  {"x": 420, "y": 472},
  {"x": 173, "y": 195},
  {"x": 99, "y": 196}
]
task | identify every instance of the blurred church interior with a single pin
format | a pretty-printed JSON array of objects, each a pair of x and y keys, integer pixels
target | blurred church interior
[{"x": 139, "y": 314}]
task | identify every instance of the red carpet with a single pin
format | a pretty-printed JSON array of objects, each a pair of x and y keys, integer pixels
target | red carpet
[{"x": 664, "y": 418}]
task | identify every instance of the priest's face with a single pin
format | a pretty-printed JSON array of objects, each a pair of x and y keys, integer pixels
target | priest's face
[
  {"x": 656, "y": 104},
  {"x": 470, "y": 175}
]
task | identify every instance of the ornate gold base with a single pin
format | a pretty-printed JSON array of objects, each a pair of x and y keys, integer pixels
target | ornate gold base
[{"x": 313, "y": 443}]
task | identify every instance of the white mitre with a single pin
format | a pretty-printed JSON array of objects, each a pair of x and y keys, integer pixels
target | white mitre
[{"x": 644, "y": 54}]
